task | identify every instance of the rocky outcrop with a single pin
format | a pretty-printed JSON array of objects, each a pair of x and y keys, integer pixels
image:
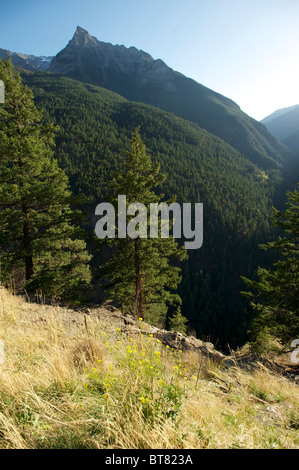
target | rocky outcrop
[
  {"x": 112, "y": 321},
  {"x": 173, "y": 340},
  {"x": 189, "y": 343}
]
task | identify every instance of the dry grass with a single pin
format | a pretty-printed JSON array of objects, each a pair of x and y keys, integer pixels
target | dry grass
[{"x": 64, "y": 385}]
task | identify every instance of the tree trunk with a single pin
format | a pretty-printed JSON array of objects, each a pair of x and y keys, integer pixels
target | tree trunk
[
  {"x": 26, "y": 234},
  {"x": 27, "y": 247},
  {"x": 139, "y": 307}
]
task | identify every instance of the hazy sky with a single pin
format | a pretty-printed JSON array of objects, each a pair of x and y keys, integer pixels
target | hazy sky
[{"x": 247, "y": 50}]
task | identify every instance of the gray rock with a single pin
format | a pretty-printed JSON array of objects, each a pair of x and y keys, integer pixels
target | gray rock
[{"x": 27, "y": 62}]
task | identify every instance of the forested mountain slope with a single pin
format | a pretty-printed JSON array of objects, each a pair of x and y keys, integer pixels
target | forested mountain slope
[
  {"x": 95, "y": 128},
  {"x": 135, "y": 75},
  {"x": 284, "y": 124}
]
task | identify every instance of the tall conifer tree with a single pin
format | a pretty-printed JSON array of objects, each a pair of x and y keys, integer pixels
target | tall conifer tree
[
  {"x": 139, "y": 273},
  {"x": 37, "y": 233},
  {"x": 275, "y": 295}
]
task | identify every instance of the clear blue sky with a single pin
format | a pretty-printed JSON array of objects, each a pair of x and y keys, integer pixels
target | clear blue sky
[{"x": 247, "y": 50}]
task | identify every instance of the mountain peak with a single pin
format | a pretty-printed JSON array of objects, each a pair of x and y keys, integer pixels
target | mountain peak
[
  {"x": 81, "y": 32},
  {"x": 82, "y": 37}
]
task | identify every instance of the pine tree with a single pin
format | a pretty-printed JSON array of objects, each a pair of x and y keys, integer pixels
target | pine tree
[
  {"x": 38, "y": 237},
  {"x": 139, "y": 274},
  {"x": 178, "y": 322},
  {"x": 275, "y": 295}
]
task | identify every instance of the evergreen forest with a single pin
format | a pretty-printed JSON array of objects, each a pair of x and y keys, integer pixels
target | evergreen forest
[{"x": 92, "y": 129}]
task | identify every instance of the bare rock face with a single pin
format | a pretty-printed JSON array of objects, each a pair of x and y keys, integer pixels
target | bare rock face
[
  {"x": 189, "y": 343},
  {"x": 173, "y": 340},
  {"x": 130, "y": 326},
  {"x": 127, "y": 71}
]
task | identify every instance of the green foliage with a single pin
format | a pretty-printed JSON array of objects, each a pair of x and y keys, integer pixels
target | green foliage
[
  {"x": 139, "y": 274},
  {"x": 144, "y": 381},
  {"x": 178, "y": 322},
  {"x": 274, "y": 296},
  {"x": 38, "y": 239},
  {"x": 237, "y": 195}
]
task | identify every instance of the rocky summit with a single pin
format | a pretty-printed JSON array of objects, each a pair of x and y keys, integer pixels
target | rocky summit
[{"x": 127, "y": 71}]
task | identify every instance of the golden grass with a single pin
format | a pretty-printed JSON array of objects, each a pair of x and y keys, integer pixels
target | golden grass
[{"x": 63, "y": 387}]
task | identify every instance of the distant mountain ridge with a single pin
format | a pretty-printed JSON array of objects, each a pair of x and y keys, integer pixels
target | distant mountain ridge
[
  {"x": 284, "y": 124},
  {"x": 27, "y": 62},
  {"x": 279, "y": 113}
]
